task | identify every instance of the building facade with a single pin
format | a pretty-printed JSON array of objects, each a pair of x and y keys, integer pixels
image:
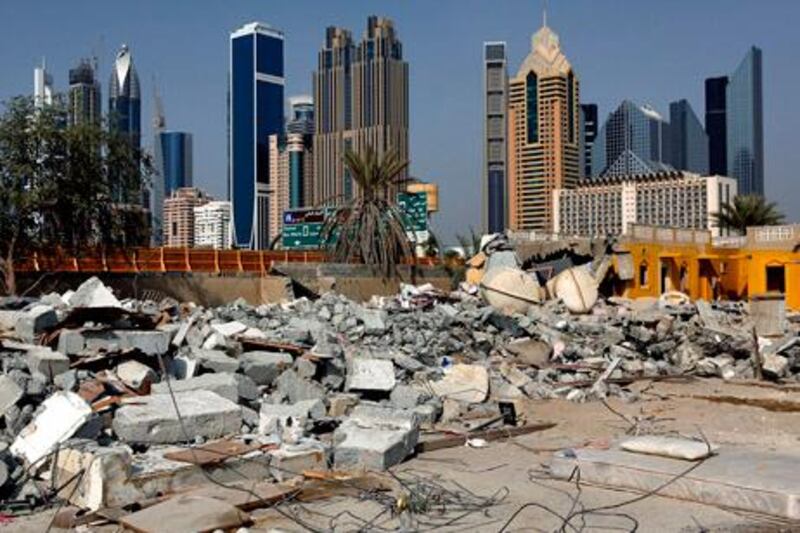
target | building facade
[
  {"x": 179, "y": 218},
  {"x": 361, "y": 96},
  {"x": 124, "y": 99},
  {"x": 212, "y": 225},
  {"x": 173, "y": 169},
  {"x": 301, "y": 120},
  {"x": 610, "y": 205},
  {"x": 495, "y": 127},
  {"x": 255, "y": 102},
  {"x": 84, "y": 104},
  {"x": 745, "y": 124},
  {"x": 633, "y": 140},
  {"x": 688, "y": 142},
  {"x": 543, "y": 133},
  {"x": 42, "y": 86},
  {"x": 716, "y": 125},
  {"x": 589, "y": 128}
]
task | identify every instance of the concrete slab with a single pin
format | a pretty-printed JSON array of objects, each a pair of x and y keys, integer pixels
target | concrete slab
[
  {"x": 225, "y": 385},
  {"x": 153, "y": 419},
  {"x": 465, "y": 383},
  {"x": 370, "y": 375},
  {"x": 264, "y": 367},
  {"x": 74, "y": 342},
  {"x": 42, "y": 360},
  {"x": 186, "y": 514},
  {"x": 737, "y": 478}
]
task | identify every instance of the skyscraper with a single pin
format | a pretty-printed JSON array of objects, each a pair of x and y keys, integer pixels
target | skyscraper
[
  {"x": 588, "y": 136},
  {"x": 256, "y": 112},
  {"x": 544, "y": 132},
  {"x": 634, "y": 140},
  {"x": 716, "y": 125},
  {"x": 495, "y": 88},
  {"x": 361, "y": 95},
  {"x": 302, "y": 115},
  {"x": 300, "y": 147},
  {"x": 688, "y": 141},
  {"x": 124, "y": 98},
  {"x": 42, "y": 86},
  {"x": 745, "y": 124},
  {"x": 84, "y": 95}
]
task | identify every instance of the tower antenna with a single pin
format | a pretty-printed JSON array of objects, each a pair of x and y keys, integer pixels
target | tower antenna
[{"x": 544, "y": 13}]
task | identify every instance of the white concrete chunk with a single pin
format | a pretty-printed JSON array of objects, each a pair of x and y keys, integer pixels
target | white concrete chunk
[{"x": 370, "y": 375}]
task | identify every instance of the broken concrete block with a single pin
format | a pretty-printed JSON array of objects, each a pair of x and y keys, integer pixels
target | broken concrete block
[
  {"x": 577, "y": 289},
  {"x": 341, "y": 404},
  {"x": 531, "y": 352},
  {"x": 185, "y": 513},
  {"x": 374, "y": 320},
  {"x": 136, "y": 375},
  {"x": 225, "y": 385},
  {"x": 375, "y": 438},
  {"x": 465, "y": 383},
  {"x": 34, "y": 321},
  {"x": 273, "y": 417},
  {"x": 75, "y": 342},
  {"x": 406, "y": 396},
  {"x": 248, "y": 390},
  {"x": 152, "y": 419},
  {"x": 370, "y": 374},
  {"x": 775, "y": 366},
  {"x": 305, "y": 368},
  {"x": 264, "y": 367},
  {"x": 10, "y": 393},
  {"x": 229, "y": 329},
  {"x": 62, "y": 414},
  {"x": 291, "y": 460},
  {"x": 92, "y": 293},
  {"x": 215, "y": 360},
  {"x": 292, "y": 386},
  {"x": 514, "y": 375},
  {"x": 428, "y": 413},
  {"x": 44, "y": 361},
  {"x": 676, "y": 448}
]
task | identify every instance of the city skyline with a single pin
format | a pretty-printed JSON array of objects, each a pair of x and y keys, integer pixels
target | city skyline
[{"x": 445, "y": 129}]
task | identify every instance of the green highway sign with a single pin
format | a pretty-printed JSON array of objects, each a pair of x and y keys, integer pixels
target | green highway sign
[
  {"x": 415, "y": 207},
  {"x": 302, "y": 228}
]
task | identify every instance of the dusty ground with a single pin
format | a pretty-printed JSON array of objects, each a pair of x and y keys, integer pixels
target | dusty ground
[{"x": 727, "y": 414}]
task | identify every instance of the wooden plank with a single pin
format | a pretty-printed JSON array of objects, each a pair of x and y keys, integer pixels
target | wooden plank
[
  {"x": 451, "y": 441},
  {"x": 212, "y": 452}
]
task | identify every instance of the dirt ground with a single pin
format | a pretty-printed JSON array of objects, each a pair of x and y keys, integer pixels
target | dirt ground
[{"x": 506, "y": 478}]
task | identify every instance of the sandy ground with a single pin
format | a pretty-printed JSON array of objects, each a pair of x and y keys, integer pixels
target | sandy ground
[{"x": 727, "y": 414}]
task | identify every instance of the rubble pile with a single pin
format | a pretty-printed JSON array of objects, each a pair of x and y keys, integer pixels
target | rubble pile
[{"x": 96, "y": 391}]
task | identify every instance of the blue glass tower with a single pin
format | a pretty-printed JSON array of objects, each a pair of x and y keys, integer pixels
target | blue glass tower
[
  {"x": 255, "y": 112},
  {"x": 174, "y": 159},
  {"x": 688, "y": 140},
  {"x": 745, "y": 124},
  {"x": 124, "y": 98}
]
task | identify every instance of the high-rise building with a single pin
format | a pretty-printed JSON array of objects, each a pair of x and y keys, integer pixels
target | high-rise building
[
  {"x": 212, "y": 225},
  {"x": 633, "y": 140},
  {"x": 588, "y": 135},
  {"x": 716, "y": 125},
  {"x": 124, "y": 98},
  {"x": 361, "y": 96},
  {"x": 544, "y": 132},
  {"x": 745, "y": 124},
  {"x": 42, "y": 86},
  {"x": 688, "y": 140},
  {"x": 84, "y": 95},
  {"x": 300, "y": 147},
  {"x": 255, "y": 112},
  {"x": 174, "y": 159},
  {"x": 302, "y": 115},
  {"x": 610, "y": 205},
  {"x": 179, "y": 216},
  {"x": 495, "y": 127},
  {"x": 292, "y": 169}
]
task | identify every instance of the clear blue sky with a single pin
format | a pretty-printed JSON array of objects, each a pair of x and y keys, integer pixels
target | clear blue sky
[{"x": 646, "y": 50}]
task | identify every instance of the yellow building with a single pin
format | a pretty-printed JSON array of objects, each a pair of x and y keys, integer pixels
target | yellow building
[
  {"x": 544, "y": 133},
  {"x": 655, "y": 260}
]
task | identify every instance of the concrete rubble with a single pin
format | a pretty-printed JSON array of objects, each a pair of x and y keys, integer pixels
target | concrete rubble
[{"x": 331, "y": 383}]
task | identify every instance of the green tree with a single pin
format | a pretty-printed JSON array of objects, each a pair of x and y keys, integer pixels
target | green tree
[
  {"x": 57, "y": 185},
  {"x": 746, "y": 211},
  {"x": 368, "y": 228}
]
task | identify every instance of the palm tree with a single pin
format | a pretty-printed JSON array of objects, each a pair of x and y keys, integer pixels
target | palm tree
[
  {"x": 470, "y": 243},
  {"x": 746, "y": 211},
  {"x": 368, "y": 228}
]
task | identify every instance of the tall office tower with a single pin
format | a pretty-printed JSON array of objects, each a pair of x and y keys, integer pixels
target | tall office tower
[
  {"x": 495, "y": 128},
  {"x": 544, "y": 133},
  {"x": 84, "y": 95},
  {"x": 212, "y": 225},
  {"x": 688, "y": 140},
  {"x": 588, "y": 135},
  {"x": 279, "y": 185},
  {"x": 255, "y": 112},
  {"x": 300, "y": 146},
  {"x": 292, "y": 167},
  {"x": 361, "y": 96},
  {"x": 633, "y": 140},
  {"x": 716, "y": 125},
  {"x": 179, "y": 216},
  {"x": 745, "y": 124},
  {"x": 124, "y": 98},
  {"x": 302, "y": 115},
  {"x": 42, "y": 86}
]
